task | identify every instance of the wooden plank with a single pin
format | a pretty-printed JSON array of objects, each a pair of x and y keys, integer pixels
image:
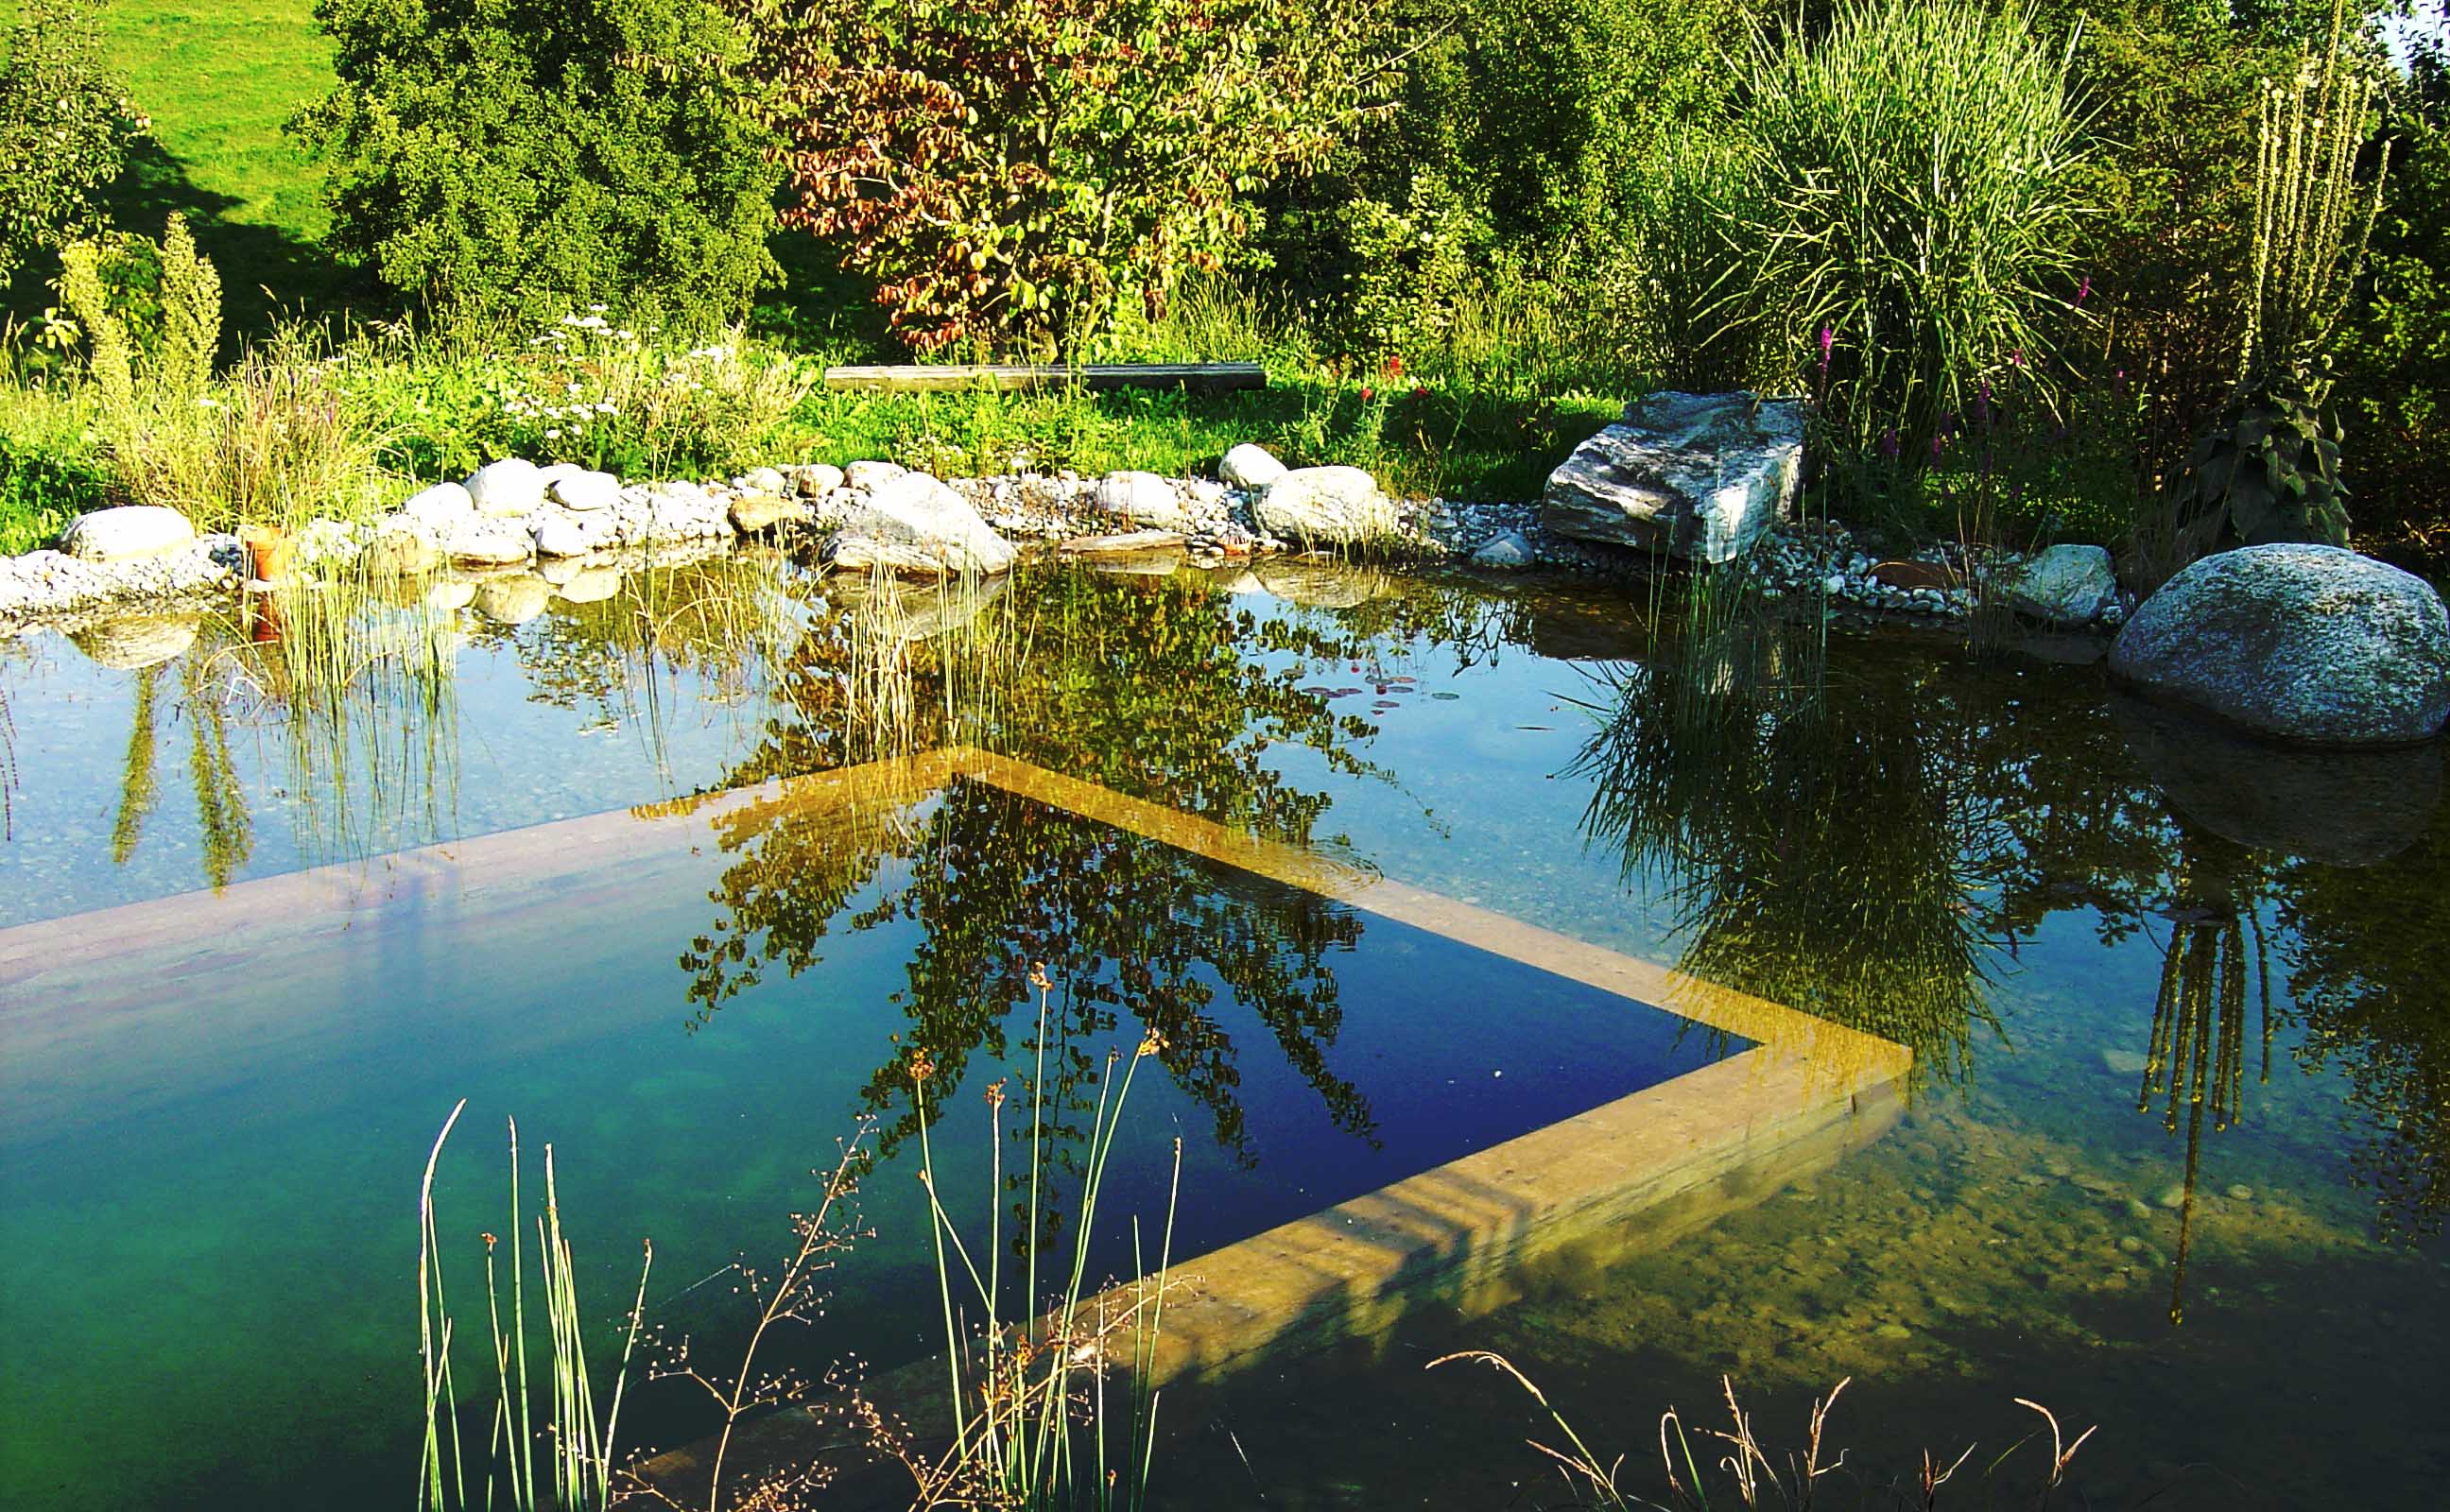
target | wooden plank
[{"x": 1200, "y": 378}]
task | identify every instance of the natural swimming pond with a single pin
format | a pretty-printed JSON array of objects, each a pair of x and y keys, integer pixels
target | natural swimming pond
[{"x": 2170, "y": 1159}]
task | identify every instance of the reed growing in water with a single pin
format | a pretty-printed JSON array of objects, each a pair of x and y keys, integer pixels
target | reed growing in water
[{"x": 1027, "y": 1419}]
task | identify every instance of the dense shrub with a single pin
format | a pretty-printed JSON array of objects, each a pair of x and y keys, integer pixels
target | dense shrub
[
  {"x": 484, "y": 153},
  {"x": 2394, "y": 359},
  {"x": 1505, "y": 141},
  {"x": 2172, "y": 88},
  {"x": 1911, "y": 209},
  {"x": 1013, "y": 172},
  {"x": 66, "y": 125}
]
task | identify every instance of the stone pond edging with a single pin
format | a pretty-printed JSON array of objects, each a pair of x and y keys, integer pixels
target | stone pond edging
[{"x": 564, "y": 524}]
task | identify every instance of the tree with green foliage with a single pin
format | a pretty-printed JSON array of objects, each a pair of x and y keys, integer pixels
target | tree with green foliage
[
  {"x": 1017, "y": 173},
  {"x": 2172, "y": 88},
  {"x": 66, "y": 125},
  {"x": 486, "y": 154},
  {"x": 1505, "y": 144}
]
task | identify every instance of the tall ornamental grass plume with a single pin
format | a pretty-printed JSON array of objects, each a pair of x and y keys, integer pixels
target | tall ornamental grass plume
[
  {"x": 2268, "y": 469},
  {"x": 1911, "y": 210}
]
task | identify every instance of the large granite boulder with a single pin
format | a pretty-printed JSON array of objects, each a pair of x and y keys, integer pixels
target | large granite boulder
[
  {"x": 404, "y": 546},
  {"x": 1698, "y": 475},
  {"x": 128, "y": 533},
  {"x": 439, "y": 508},
  {"x": 2306, "y": 642},
  {"x": 1325, "y": 506},
  {"x": 583, "y": 489},
  {"x": 484, "y": 541},
  {"x": 2065, "y": 585},
  {"x": 910, "y": 522}
]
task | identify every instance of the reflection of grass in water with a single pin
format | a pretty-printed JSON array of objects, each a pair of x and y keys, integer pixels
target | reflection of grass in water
[
  {"x": 224, "y": 826},
  {"x": 363, "y": 692},
  {"x": 140, "y": 783},
  {"x": 1813, "y": 849},
  {"x": 924, "y": 663},
  {"x": 8, "y": 768}
]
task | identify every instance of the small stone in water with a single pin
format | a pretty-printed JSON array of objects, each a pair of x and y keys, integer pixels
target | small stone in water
[
  {"x": 2131, "y": 1245},
  {"x": 1893, "y": 1331},
  {"x": 2242, "y": 1194},
  {"x": 2173, "y": 1196},
  {"x": 2135, "y": 1209}
]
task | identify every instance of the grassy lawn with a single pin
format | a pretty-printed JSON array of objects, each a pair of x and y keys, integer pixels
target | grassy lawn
[{"x": 219, "y": 78}]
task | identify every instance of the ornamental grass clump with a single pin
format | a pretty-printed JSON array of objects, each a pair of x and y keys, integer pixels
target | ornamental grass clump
[{"x": 1910, "y": 208}]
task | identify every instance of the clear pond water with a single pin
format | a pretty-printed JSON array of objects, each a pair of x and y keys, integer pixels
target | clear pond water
[{"x": 2172, "y": 1159}]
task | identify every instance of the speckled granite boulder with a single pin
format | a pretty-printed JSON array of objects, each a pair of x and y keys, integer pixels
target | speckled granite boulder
[
  {"x": 506, "y": 489},
  {"x": 2065, "y": 585},
  {"x": 1144, "y": 500},
  {"x": 2304, "y": 642},
  {"x": 1252, "y": 469},
  {"x": 909, "y": 522},
  {"x": 1325, "y": 506}
]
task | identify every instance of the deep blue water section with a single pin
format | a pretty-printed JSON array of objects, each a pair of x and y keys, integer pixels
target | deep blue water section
[{"x": 211, "y": 1149}]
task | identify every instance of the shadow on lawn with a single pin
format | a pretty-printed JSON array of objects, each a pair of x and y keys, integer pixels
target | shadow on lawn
[{"x": 266, "y": 273}]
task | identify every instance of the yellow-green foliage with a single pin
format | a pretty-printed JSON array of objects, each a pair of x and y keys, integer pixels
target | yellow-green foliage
[
  {"x": 110, "y": 359},
  {"x": 192, "y": 315}
]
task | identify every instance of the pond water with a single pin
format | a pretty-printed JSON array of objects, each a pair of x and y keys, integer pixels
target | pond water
[{"x": 2171, "y": 1160}]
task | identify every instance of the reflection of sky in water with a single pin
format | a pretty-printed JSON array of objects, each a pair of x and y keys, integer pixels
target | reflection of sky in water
[{"x": 1475, "y": 797}]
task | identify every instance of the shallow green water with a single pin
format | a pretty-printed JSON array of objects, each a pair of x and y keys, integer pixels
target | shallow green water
[{"x": 2079, "y": 915}]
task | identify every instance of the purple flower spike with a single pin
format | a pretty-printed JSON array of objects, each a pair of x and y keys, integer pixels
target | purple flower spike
[{"x": 2082, "y": 289}]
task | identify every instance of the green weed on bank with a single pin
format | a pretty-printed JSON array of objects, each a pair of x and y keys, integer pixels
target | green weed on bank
[{"x": 1509, "y": 393}]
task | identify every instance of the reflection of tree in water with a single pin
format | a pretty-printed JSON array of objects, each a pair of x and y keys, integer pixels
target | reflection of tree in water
[
  {"x": 2197, "y": 1061},
  {"x": 1820, "y": 849},
  {"x": 2366, "y": 974},
  {"x": 1154, "y": 688}
]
